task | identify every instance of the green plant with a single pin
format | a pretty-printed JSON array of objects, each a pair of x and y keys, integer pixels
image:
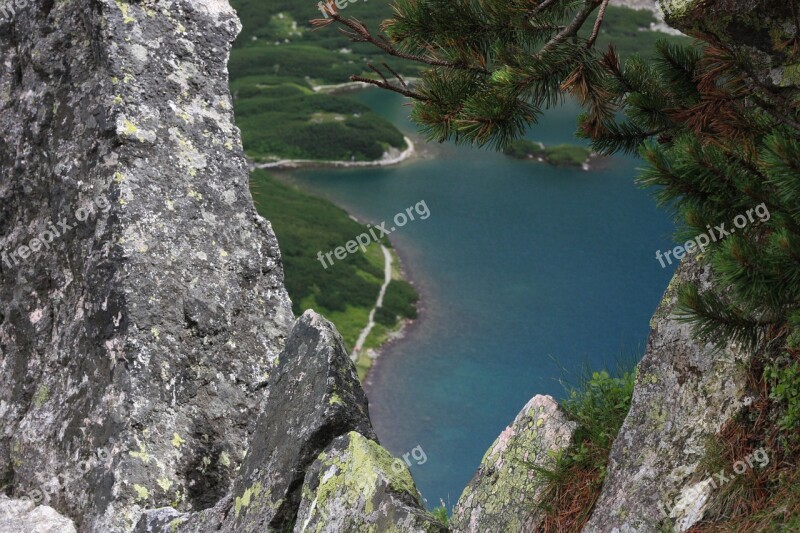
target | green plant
[
  {"x": 785, "y": 381},
  {"x": 440, "y": 513},
  {"x": 599, "y": 405},
  {"x": 345, "y": 291}
]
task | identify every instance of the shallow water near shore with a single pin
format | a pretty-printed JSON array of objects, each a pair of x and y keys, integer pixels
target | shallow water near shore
[{"x": 528, "y": 273}]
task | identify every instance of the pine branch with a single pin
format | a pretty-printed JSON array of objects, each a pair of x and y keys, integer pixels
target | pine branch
[
  {"x": 715, "y": 320},
  {"x": 597, "y": 23},
  {"x": 571, "y": 30},
  {"x": 389, "y": 87},
  {"x": 360, "y": 33}
]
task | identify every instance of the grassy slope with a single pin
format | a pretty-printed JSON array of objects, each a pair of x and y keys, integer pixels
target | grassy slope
[
  {"x": 344, "y": 292},
  {"x": 276, "y": 61},
  {"x": 280, "y": 115}
]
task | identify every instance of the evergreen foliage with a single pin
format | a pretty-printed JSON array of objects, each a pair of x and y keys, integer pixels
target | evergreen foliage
[
  {"x": 598, "y": 405},
  {"x": 491, "y": 66}
]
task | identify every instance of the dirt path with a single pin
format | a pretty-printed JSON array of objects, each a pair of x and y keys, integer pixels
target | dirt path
[{"x": 371, "y": 323}]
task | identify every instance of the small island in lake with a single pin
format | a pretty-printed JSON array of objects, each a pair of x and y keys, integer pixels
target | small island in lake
[{"x": 559, "y": 155}]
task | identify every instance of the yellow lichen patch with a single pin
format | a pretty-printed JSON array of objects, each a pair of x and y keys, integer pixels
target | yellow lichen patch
[
  {"x": 119, "y": 177},
  {"x": 41, "y": 395},
  {"x": 164, "y": 483},
  {"x": 16, "y": 460},
  {"x": 125, "y": 8},
  {"x": 155, "y": 332},
  {"x": 142, "y": 454},
  {"x": 141, "y": 492},
  {"x": 336, "y": 399},
  {"x": 194, "y": 194},
  {"x": 129, "y": 128},
  {"x": 177, "y": 441},
  {"x": 244, "y": 500},
  {"x": 224, "y": 459}
]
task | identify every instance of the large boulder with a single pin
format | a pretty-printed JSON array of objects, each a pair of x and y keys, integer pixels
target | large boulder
[
  {"x": 315, "y": 397},
  {"x": 142, "y": 306},
  {"x": 504, "y": 492},
  {"x": 18, "y": 516},
  {"x": 314, "y": 443},
  {"x": 355, "y": 485},
  {"x": 686, "y": 391}
]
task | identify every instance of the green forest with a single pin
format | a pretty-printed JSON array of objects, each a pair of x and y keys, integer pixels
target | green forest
[{"x": 344, "y": 292}]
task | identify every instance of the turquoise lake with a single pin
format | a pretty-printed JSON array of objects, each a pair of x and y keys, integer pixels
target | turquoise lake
[{"x": 528, "y": 274}]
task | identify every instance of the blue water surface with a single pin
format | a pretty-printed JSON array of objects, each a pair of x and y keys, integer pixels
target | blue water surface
[{"x": 526, "y": 272}]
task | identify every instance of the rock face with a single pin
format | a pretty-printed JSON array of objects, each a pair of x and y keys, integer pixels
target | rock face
[
  {"x": 315, "y": 397},
  {"x": 756, "y": 29},
  {"x": 138, "y": 330},
  {"x": 25, "y": 516},
  {"x": 503, "y": 494},
  {"x": 685, "y": 392},
  {"x": 313, "y": 444},
  {"x": 142, "y": 305},
  {"x": 355, "y": 485}
]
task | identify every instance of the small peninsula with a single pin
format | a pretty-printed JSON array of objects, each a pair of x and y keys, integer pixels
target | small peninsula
[{"x": 560, "y": 155}]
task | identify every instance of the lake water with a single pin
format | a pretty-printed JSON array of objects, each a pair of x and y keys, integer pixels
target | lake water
[{"x": 528, "y": 274}]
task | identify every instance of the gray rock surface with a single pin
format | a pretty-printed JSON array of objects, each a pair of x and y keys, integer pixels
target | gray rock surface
[
  {"x": 313, "y": 443},
  {"x": 504, "y": 492},
  {"x": 355, "y": 485},
  {"x": 136, "y": 346},
  {"x": 755, "y": 29},
  {"x": 685, "y": 392},
  {"x": 24, "y": 516},
  {"x": 314, "y": 397}
]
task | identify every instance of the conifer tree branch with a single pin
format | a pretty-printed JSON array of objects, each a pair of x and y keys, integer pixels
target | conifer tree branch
[
  {"x": 571, "y": 30},
  {"x": 389, "y": 87},
  {"x": 772, "y": 103},
  {"x": 597, "y": 23},
  {"x": 378, "y": 72},
  {"x": 541, "y": 7},
  {"x": 396, "y": 75},
  {"x": 360, "y": 33}
]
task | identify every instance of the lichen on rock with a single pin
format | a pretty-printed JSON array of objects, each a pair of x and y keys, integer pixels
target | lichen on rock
[
  {"x": 686, "y": 391},
  {"x": 355, "y": 485},
  {"x": 157, "y": 312},
  {"x": 504, "y": 492}
]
